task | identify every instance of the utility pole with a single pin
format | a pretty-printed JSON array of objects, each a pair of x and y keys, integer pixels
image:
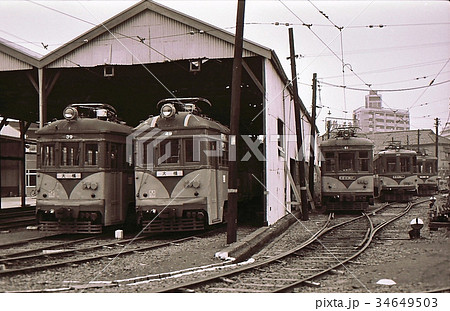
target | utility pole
[
  {"x": 298, "y": 129},
  {"x": 418, "y": 141},
  {"x": 437, "y": 144},
  {"x": 313, "y": 137},
  {"x": 234, "y": 124}
]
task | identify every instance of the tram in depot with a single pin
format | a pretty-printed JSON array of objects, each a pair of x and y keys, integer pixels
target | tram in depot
[
  {"x": 181, "y": 168},
  {"x": 427, "y": 175},
  {"x": 396, "y": 177},
  {"x": 347, "y": 171},
  {"x": 83, "y": 181}
]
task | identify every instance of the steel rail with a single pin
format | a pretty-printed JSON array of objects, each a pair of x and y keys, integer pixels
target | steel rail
[
  {"x": 368, "y": 240},
  {"x": 362, "y": 247},
  {"x": 12, "y": 256},
  {"x": 312, "y": 239},
  {"x": 25, "y": 241},
  {"x": 86, "y": 259}
]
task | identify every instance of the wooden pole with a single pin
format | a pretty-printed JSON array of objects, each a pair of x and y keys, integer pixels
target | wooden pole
[
  {"x": 234, "y": 124},
  {"x": 437, "y": 145},
  {"x": 299, "y": 133},
  {"x": 313, "y": 137}
]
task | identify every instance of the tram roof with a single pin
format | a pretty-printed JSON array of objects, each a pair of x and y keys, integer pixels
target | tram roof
[
  {"x": 397, "y": 151},
  {"x": 84, "y": 125},
  {"x": 183, "y": 120},
  {"x": 352, "y": 141}
]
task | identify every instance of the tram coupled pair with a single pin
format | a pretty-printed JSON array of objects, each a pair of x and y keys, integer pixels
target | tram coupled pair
[{"x": 178, "y": 180}]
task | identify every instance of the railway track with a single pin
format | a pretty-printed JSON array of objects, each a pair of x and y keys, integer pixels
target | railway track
[
  {"x": 50, "y": 254},
  {"x": 68, "y": 253},
  {"x": 340, "y": 241},
  {"x": 17, "y": 217}
]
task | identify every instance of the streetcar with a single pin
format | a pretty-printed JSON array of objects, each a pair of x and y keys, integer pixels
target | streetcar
[
  {"x": 396, "y": 177},
  {"x": 84, "y": 182},
  {"x": 181, "y": 168},
  {"x": 427, "y": 175},
  {"x": 347, "y": 171}
]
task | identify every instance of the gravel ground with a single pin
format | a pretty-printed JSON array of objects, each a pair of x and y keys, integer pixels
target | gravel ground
[{"x": 414, "y": 265}]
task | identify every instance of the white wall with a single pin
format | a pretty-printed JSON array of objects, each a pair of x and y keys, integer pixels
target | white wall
[{"x": 279, "y": 105}]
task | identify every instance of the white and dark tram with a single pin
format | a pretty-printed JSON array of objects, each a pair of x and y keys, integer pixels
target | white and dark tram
[
  {"x": 396, "y": 177},
  {"x": 181, "y": 168},
  {"x": 347, "y": 171},
  {"x": 83, "y": 180}
]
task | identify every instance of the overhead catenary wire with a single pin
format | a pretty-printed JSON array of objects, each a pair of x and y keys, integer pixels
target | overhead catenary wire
[{"x": 341, "y": 60}]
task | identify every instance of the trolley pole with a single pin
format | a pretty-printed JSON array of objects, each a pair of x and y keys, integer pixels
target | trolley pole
[
  {"x": 298, "y": 129},
  {"x": 234, "y": 124},
  {"x": 437, "y": 145},
  {"x": 313, "y": 137}
]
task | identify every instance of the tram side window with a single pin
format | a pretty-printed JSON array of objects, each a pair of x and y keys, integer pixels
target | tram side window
[
  {"x": 364, "y": 161},
  {"x": 169, "y": 151},
  {"x": 329, "y": 162},
  {"x": 224, "y": 153},
  {"x": 48, "y": 155},
  {"x": 405, "y": 164},
  {"x": 91, "y": 154},
  {"x": 346, "y": 162},
  {"x": 70, "y": 154}
]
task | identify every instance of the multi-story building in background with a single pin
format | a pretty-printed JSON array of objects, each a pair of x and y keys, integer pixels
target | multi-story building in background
[{"x": 373, "y": 118}]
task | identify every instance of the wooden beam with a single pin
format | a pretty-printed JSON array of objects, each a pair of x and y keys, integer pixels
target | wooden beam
[{"x": 253, "y": 77}]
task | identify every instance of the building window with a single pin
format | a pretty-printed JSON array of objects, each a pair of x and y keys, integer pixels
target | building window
[{"x": 280, "y": 131}]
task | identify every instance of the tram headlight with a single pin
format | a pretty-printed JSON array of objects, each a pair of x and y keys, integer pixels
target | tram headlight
[
  {"x": 168, "y": 111},
  {"x": 70, "y": 113}
]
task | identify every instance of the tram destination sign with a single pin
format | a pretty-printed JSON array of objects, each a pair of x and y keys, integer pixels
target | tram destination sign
[
  {"x": 347, "y": 177},
  {"x": 68, "y": 175}
]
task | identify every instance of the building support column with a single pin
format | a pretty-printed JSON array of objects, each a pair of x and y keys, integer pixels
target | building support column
[
  {"x": 42, "y": 99},
  {"x": 43, "y": 86}
]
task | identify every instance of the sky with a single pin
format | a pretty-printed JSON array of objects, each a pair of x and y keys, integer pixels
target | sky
[{"x": 399, "y": 48}]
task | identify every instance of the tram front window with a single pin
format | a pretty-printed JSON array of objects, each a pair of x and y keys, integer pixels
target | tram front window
[
  {"x": 91, "y": 154},
  {"x": 405, "y": 164},
  {"x": 329, "y": 162},
  {"x": 48, "y": 155},
  {"x": 364, "y": 161},
  {"x": 70, "y": 154},
  {"x": 346, "y": 162},
  {"x": 390, "y": 165},
  {"x": 169, "y": 151}
]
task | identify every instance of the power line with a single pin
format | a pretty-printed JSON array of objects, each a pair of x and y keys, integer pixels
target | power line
[
  {"x": 370, "y": 26},
  {"x": 404, "y": 67},
  {"x": 349, "y": 66},
  {"x": 389, "y": 49},
  {"x": 430, "y": 84},
  {"x": 383, "y": 90}
]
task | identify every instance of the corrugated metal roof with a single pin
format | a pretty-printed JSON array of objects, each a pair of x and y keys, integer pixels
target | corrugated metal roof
[
  {"x": 164, "y": 23},
  {"x": 16, "y": 57},
  {"x": 147, "y": 37}
]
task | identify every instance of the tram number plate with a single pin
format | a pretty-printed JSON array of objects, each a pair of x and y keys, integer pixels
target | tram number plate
[
  {"x": 169, "y": 173},
  {"x": 347, "y": 177},
  {"x": 68, "y": 175}
]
